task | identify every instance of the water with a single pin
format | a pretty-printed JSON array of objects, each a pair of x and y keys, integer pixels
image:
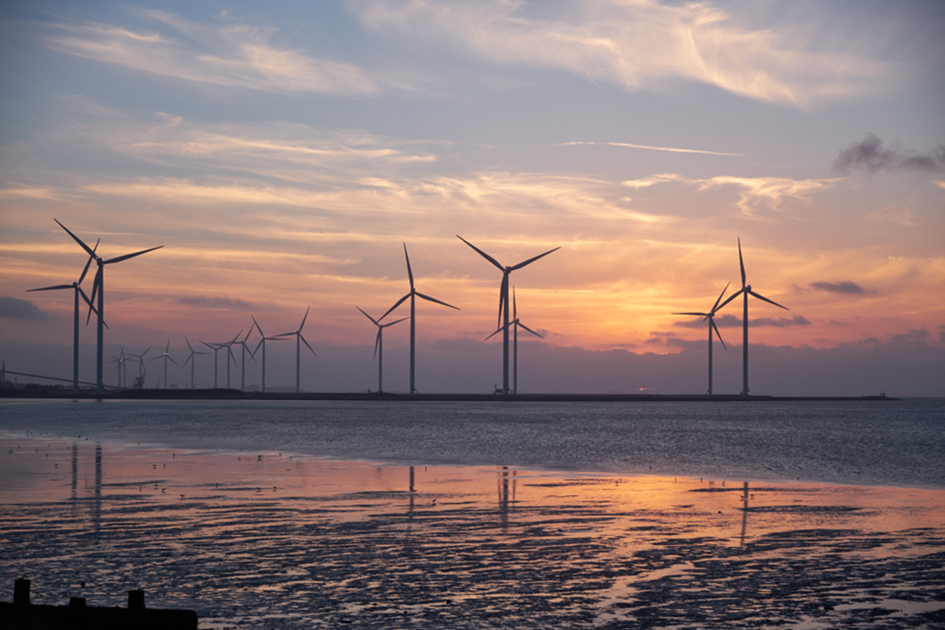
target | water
[{"x": 851, "y": 442}]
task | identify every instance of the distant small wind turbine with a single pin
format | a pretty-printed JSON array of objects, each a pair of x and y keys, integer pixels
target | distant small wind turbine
[
  {"x": 166, "y": 357},
  {"x": 745, "y": 291},
  {"x": 142, "y": 370},
  {"x": 262, "y": 342},
  {"x": 298, "y": 349},
  {"x": 244, "y": 350},
  {"x": 379, "y": 346},
  {"x": 413, "y": 320},
  {"x": 77, "y": 290},
  {"x": 99, "y": 286},
  {"x": 711, "y": 317},
  {"x": 192, "y": 361},
  {"x": 515, "y": 323},
  {"x": 504, "y": 304}
]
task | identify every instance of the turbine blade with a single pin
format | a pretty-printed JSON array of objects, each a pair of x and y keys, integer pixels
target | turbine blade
[
  {"x": 188, "y": 345},
  {"x": 514, "y": 305},
  {"x": 399, "y": 302},
  {"x": 248, "y": 333},
  {"x": 531, "y": 260},
  {"x": 156, "y": 358},
  {"x": 402, "y": 319},
  {"x": 173, "y": 361},
  {"x": 303, "y": 319},
  {"x": 78, "y": 240},
  {"x": 483, "y": 254},
  {"x": 501, "y": 328},
  {"x": 261, "y": 333},
  {"x": 127, "y": 256},
  {"x": 529, "y": 329},
  {"x": 168, "y": 347},
  {"x": 761, "y": 297},
  {"x": 306, "y": 344},
  {"x": 730, "y": 298},
  {"x": 720, "y": 298},
  {"x": 503, "y": 290},
  {"x": 88, "y": 263},
  {"x": 693, "y": 314},
  {"x": 368, "y": 316},
  {"x": 429, "y": 299},
  {"x": 409, "y": 271},
  {"x": 188, "y": 360},
  {"x": 377, "y": 341},
  {"x": 55, "y": 288},
  {"x": 716, "y": 329},
  {"x": 741, "y": 263}
]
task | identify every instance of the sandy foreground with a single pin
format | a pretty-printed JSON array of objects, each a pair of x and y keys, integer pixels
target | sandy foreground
[{"x": 271, "y": 540}]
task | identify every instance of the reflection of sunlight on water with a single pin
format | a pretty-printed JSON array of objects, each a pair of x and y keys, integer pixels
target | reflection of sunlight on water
[{"x": 259, "y": 537}]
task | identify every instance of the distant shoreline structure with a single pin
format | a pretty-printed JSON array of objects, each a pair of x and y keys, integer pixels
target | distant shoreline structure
[{"x": 234, "y": 394}]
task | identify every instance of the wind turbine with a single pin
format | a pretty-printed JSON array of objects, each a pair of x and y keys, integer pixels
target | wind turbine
[
  {"x": 711, "y": 317},
  {"x": 413, "y": 320},
  {"x": 745, "y": 291},
  {"x": 192, "y": 361},
  {"x": 262, "y": 342},
  {"x": 139, "y": 382},
  {"x": 216, "y": 347},
  {"x": 504, "y": 304},
  {"x": 515, "y": 323},
  {"x": 77, "y": 290},
  {"x": 166, "y": 357},
  {"x": 379, "y": 347},
  {"x": 243, "y": 358},
  {"x": 99, "y": 285},
  {"x": 298, "y": 348}
]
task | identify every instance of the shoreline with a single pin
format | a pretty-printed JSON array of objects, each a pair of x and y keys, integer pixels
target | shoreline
[{"x": 233, "y": 394}]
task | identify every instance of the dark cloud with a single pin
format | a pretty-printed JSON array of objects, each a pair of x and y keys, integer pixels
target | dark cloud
[
  {"x": 722, "y": 321},
  {"x": 15, "y": 308},
  {"x": 846, "y": 286},
  {"x": 870, "y": 155},
  {"x": 215, "y": 302},
  {"x": 781, "y": 322}
]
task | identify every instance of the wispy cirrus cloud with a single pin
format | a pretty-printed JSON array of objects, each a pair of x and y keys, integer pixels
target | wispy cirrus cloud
[
  {"x": 637, "y": 45},
  {"x": 230, "y": 55},
  {"x": 753, "y": 192},
  {"x": 731, "y": 321},
  {"x": 651, "y": 148}
]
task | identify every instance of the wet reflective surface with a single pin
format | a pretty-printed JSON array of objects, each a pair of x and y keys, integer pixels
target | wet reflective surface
[{"x": 255, "y": 539}]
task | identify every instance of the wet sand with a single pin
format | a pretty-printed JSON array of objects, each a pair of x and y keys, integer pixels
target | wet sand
[{"x": 273, "y": 540}]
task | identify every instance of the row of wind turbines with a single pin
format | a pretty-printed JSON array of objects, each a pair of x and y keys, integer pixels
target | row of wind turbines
[{"x": 505, "y": 325}]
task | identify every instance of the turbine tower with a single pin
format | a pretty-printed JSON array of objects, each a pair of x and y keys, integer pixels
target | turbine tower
[
  {"x": 298, "y": 349},
  {"x": 216, "y": 348},
  {"x": 504, "y": 304},
  {"x": 99, "y": 285},
  {"x": 379, "y": 347},
  {"x": 711, "y": 317},
  {"x": 515, "y": 323},
  {"x": 746, "y": 291},
  {"x": 192, "y": 361},
  {"x": 413, "y": 320},
  {"x": 77, "y": 290},
  {"x": 166, "y": 357}
]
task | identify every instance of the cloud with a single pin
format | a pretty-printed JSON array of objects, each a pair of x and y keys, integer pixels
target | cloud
[
  {"x": 637, "y": 45},
  {"x": 731, "y": 321},
  {"x": 215, "y": 302},
  {"x": 870, "y": 156},
  {"x": 845, "y": 286},
  {"x": 650, "y": 148},
  {"x": 230, "y": 55},
  {"x": 15, "y": 308}
]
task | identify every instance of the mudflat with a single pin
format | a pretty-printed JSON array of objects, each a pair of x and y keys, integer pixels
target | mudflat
[{"x": 275, "y": 540}]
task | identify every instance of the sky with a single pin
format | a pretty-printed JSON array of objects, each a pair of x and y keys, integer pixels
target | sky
[{"x": 284, "y": 154}]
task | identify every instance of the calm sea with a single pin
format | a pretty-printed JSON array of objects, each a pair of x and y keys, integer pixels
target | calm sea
[{"x": 864, "y": 443}]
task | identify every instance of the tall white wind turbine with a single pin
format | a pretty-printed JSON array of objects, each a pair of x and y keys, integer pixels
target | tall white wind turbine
[
  {"x": 745, "y": 291},
  {"x": 167, "y": 357},
  {"x": 515, "y": 323},
  {"x": 298, "y": 349},
  {"x": 379, "y": 347},
  {"x": 192, "y": 361},
  {"x": 413, "y": 320},
  {"x": 711, "y": 317},
  {"x": 99, "y": 286},
  {"x": 77, "y": 290},
  {"x": 262, "y": 342},
  {"x": 504, "y": 304}
]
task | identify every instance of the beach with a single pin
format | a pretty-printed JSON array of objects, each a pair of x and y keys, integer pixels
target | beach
[{"x": 269, "y": 539}]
